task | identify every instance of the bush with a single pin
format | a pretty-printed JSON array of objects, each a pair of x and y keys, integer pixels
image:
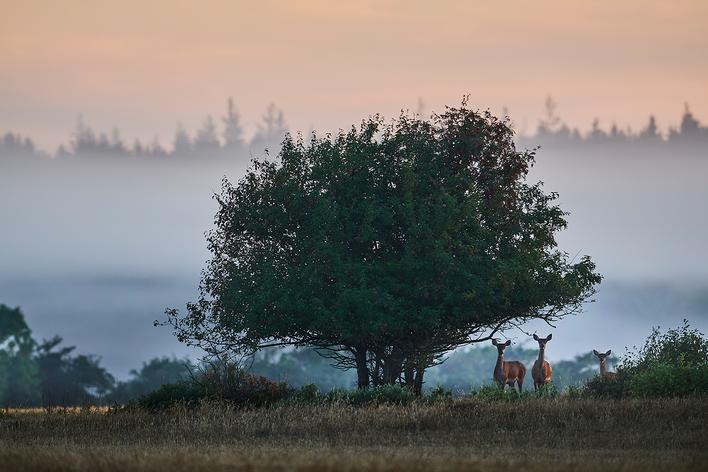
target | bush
[
  {"x": 665, "y": 379},
  {"x": 307, "y": 394},
  {"x": 672, "y": 364},
  {"x": 438, "y": 395},
  {"x": 184, "y": 392},
  {"x": 224, "y": 382},
  {"x": 230, "y": 383},
  {"x": 496, "y": 393},
  {"x": 607, "y": 387},
  {"x": 548, "y": 391}
]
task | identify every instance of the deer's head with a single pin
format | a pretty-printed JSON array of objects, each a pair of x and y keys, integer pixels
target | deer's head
[
  {"x": 542, "y": 341},
  {"x": 501, "y": 346},
  {"x": 602, "y": 356}
]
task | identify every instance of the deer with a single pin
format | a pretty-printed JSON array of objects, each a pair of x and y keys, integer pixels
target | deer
[
  {"x": 541, "y": 370},
  {"x": 604, "y": 373},
  {"x": 508, "y": 372}
]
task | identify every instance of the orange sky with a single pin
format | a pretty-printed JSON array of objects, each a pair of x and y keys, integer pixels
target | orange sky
[{"x": 145, "y": 65}]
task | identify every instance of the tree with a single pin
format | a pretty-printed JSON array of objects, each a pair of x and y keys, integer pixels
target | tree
[
  {"x": 651, "y": 131},
  {"x": 19, "y": 380},
  {"x": 385, "y": 247},
  {"x": 69, "y": 380},
  {"x": 233, "y": 132},
  {"x": 155, "y": 149},
  {"x": 207, "y": 139},
  {"x": 150, "y": 377},
  {"x": 182, "y": 143},
  {"x": 83, "y": 139},
  {"x": 271, "y": 131},
  {"x": 551, "y": 122}
]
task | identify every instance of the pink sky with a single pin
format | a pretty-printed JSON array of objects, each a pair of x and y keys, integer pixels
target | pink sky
[{"x": 145, "y": 65}]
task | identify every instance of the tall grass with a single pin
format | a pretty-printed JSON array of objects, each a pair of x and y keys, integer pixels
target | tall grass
[{"x": 551, "y": 433}]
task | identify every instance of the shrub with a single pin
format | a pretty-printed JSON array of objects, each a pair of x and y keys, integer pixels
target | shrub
[
  {"x": 671, "y": 364},
  {"x": 222, "y": 381},
  {"x": 438, "y": 395},
  {"x": 574, "y": 392},
  {"x": 665, "y": 379},
  {"x": 393, "y": 394},
  {"x": 496, "y": 393},
  {"x": 680, "y": 346},
  {"x": 307, "y": 394},
  {"x": 607, "y": 387},
  {"x": 228, "y": 382},
  {"x": 548, "y": 391},
  {"x": 184, "y": 392}
]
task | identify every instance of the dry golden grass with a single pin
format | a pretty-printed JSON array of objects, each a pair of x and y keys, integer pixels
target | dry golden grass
[{"x": 472, "y": 434}]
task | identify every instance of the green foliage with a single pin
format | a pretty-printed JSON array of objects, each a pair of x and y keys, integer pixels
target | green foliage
[
  {"x": 546, "y": 391},
  {"x": 664, "y": 379},
  {"x": 496, "y": 393},
  {"x": 607, "y": 387},
  {"x": 438, "y": 395},
  {"x": 308, "y": 394},
  {"x": 671, "y": 364},
  {"x": 185, "y": 392},
  {"x": 19, "y": 374},
  {"x": 679, "y": 346}
]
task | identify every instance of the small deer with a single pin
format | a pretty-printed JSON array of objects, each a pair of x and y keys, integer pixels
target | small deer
[
  {"x": 508, "y": 373},
  {"x": 604, "y": 373},
  {"x": 541, "y": 371}
]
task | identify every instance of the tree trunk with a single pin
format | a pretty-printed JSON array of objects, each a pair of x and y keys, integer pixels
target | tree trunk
[
  {"x": 362, "y": 370},
  {"x": 377, "y": 374},
  {"x": 418, "y": 384},
  {"x": 409, "y": 376}
]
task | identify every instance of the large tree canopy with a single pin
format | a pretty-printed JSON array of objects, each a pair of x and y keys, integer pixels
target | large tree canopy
[{"x": 386, "y": 245}]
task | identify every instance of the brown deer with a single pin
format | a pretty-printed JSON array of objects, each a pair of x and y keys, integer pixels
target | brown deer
[
  {"x": 604, "y": 373},
  {"x": 508, "y": 373},
  {"x": 541, "y": 371}
]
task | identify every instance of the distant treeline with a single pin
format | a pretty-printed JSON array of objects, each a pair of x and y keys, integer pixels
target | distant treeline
[
  {"x": 553, "y": 132},
  {"x": 48, "y": 373},
  {"x": 228, "y": 140},
  {"x": 210, "y": 140}
]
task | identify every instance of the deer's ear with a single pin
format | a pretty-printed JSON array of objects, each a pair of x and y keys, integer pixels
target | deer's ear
[
  {"x": 508, "y": 342},
  {"x": 608, "y": 352},
  {"x": 535, "y": 337},
  {"x": 549, "y": 337},
  {"x": 596, "y": 353}
]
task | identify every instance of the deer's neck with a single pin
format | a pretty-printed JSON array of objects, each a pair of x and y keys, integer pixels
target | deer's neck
[
  {"x": 541, "y": 354},
  {"x": 603, "y": 368},
  {"x": 499, "y": 368}
]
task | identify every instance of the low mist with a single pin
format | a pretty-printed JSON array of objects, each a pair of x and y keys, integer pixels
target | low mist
[{"x": 95, "y": 245}]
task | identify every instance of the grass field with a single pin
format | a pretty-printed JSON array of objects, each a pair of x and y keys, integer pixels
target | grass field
[{"x": 469, "y": 434}]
